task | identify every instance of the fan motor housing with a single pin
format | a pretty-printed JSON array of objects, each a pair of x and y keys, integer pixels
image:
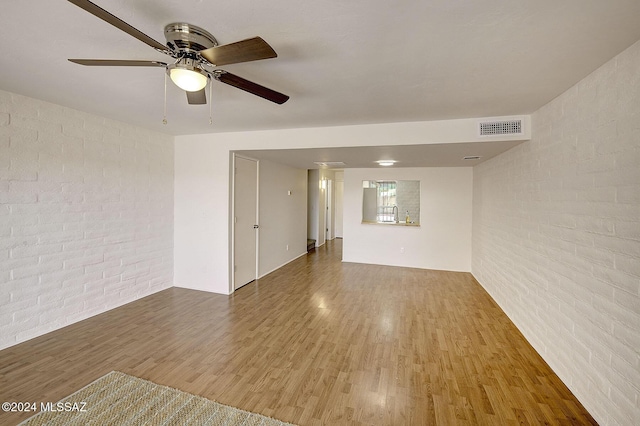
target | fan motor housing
[{"x": 186, "y": 37}]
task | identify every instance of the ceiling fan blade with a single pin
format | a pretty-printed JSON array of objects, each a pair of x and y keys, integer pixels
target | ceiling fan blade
[
  {"x": 196, "y": 98},
  {"x": 117, "y": 63},
  {"x": 251, "y": 87},
  {"x": 119, "y": 23},
  {"x": 251, "y": 49}
]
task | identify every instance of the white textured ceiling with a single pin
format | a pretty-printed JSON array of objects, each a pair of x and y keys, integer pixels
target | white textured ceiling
[{"x": 342, "y": 62}]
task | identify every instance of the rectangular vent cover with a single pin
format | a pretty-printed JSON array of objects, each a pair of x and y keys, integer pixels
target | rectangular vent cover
[
  {"x": 330, "y": 163},
  {"x": 508, "y": 127}
]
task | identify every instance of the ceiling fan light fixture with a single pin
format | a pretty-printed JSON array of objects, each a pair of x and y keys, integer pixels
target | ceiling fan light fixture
[
  {"x": 187, "y": 77},
  {"x": 196, "y": 52}
]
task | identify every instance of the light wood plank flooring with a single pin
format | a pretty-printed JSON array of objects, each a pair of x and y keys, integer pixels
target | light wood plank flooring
[{"x": 315, "y": 342}]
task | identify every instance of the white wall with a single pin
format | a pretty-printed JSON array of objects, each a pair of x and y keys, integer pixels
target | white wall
[
  {"x": 283, "y": 217},
  {"x": 313, "y": 208},
  {"x": 201, "y": 209},
  {"x": 556, "y": 237},
  {"x": 86, "y": 216},
  {"x": 202, "y": 183},
  {"x": 323, "y": 204},
  {"x": 339, "y": 208},
  {"x": 443, "y": 240}
]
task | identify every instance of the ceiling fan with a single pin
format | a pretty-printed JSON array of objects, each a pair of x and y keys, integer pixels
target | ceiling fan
[{"x": 196, "y": 53}]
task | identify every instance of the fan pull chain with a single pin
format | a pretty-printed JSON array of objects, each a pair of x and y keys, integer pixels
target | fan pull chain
[
  {"x": 210, "y": 102},
  {"x": 164, "y": 119}
]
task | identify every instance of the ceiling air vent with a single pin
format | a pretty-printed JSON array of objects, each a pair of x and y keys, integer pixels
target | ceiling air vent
[
  {"x": 330, "y": 163},
  {"x": 506, "y": 127}
]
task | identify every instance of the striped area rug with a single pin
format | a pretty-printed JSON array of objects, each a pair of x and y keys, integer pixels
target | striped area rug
[{"x": 120, "y": 399}]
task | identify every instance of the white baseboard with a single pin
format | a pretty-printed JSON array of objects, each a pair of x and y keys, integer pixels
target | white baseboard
[{"x": 285, "y": 263}]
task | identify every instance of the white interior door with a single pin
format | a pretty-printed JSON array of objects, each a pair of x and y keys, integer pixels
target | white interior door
[
  {"x": 338, "y": 209},
  {"x": 246, "y": 221},
  {"x": 322, "y": 215},
  {"x": 329, "y": 222}
]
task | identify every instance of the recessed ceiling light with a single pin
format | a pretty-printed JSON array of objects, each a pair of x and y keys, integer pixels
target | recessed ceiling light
[
  {"x": 472, "y": 157},
  {"x": 386, "y": 162}
]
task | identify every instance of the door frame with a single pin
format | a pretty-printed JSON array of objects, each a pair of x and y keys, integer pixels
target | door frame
[
  {"x": 232, "y": 247},
  {"x": 328, "y": 222},
  {"x": 338, "y": 209}
]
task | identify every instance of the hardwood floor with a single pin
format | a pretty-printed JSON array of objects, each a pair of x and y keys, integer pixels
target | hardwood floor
[{"x": 315, "y": 342}]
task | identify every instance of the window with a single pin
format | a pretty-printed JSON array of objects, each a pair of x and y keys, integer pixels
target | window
[
  {"x": 386, "y": 201},
  {"x": 391, "y": 202}
]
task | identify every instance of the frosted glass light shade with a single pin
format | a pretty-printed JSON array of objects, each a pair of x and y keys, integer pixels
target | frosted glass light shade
[{"x": 191, "y": 81}]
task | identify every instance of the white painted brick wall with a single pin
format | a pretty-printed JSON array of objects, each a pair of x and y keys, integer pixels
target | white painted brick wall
[
  {"x": 86, "y": 216},
  {"x": 556, "y": 237}
]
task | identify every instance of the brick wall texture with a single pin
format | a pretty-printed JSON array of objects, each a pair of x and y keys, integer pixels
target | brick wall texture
[
  {"x": 556, "y": 237},
  {"x": 86, "y": 216}
]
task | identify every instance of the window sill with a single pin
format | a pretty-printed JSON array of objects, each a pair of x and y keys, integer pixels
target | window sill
[{"x": 401, "y": 223}]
